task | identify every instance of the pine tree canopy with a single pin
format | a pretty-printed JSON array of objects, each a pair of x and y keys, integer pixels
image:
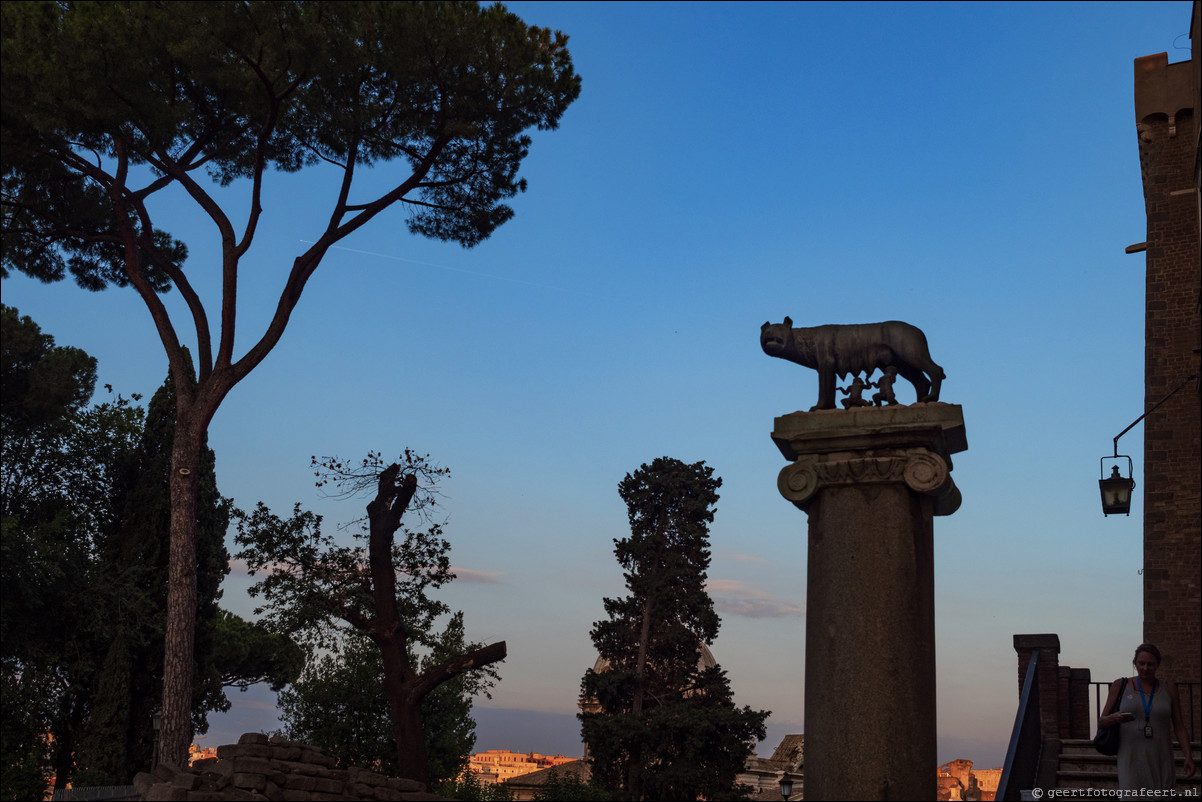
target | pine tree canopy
[
  {"x": 116, "y": 113},
  {"x": 93, "y": 91}
]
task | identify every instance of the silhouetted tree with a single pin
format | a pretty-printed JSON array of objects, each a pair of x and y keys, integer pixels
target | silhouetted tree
[
  {"x": 132, "y": 567},
  {"x": 85, "y": 512},
  {"x": 109, "y": 108},
  {"x": 58, "y": 465},
  {"x": 314, "y": 588},
  {"x": 339, "y": 704},
  {"x": 661, "y": 725},
  {"x": 246, "y": 653},
  {"x": 563, "y": 787}
]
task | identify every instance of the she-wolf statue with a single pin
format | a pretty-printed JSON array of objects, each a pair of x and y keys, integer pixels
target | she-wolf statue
[{"x": 854, "y": 348}]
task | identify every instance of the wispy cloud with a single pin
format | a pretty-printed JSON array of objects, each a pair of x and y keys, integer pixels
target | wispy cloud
[
  {"x": 744, "y": 558},
  {"x": 732, "y": 597},
  {"x": 254, "y": 705},
  {"x": 482, "y": 577},
  {"x": 240, "y": 567},
  {"x": 726, "y": 585},
  {"x": 765, "y": 607},
  {"x": 237, "y": 566}
]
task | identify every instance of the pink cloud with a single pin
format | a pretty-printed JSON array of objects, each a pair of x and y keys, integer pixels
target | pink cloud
[
  {"x": 483, "y": 577},
  {"x": 734, "y": 598}
]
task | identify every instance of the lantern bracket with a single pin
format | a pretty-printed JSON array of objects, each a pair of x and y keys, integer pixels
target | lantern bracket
[
  {"x": 1102, "y": 466},
  {"x": 1172, "y": 392}
]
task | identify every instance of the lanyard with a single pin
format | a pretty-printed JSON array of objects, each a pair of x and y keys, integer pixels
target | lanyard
[{"x": 1147, "y": 703}]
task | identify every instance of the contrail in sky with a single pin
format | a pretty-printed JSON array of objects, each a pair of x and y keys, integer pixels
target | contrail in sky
[{"x": 462, "y": 270}]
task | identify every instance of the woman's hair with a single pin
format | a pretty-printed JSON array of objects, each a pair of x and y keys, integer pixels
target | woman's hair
[{"x": 1150, "y": 649}]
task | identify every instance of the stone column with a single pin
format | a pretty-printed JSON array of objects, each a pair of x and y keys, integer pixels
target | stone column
[{"x": 871, "y": 480}]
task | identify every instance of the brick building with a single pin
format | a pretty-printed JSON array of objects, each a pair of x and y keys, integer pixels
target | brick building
[{"x": 1166, "y": 117}]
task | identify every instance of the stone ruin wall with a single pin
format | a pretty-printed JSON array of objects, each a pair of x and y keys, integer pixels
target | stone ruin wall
[{"x": 262, "y": 768}]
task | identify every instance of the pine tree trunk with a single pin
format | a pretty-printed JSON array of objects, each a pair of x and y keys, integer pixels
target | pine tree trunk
[{"x": 176, "y": 732}]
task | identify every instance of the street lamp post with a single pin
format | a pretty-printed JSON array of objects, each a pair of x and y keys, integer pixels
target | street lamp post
[{"x": 156, "y": 721}]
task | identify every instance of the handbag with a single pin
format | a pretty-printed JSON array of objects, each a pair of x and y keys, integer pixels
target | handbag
[{"x": 1107, "y": 739}]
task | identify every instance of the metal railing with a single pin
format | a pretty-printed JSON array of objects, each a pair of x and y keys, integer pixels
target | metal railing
[
  {"x": 1026, "y": 740},
  {"x": 1187, "y": 692}
]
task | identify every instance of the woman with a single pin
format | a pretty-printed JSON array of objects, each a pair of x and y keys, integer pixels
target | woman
[{"x": 1150, "y": 715}]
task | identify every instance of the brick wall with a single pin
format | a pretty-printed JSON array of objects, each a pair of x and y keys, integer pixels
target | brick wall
[
  {"x": 1166, "y": 116},
  {"x": 1047, "y": 677},
  {"x": 1063, "y": 691},
  {"x": 1073, "y": 700}
]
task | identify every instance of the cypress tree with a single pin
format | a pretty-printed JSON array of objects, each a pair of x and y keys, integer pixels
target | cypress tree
[
  {"x": 660, "y": 724},
  {"x": 133, "y": 562}
]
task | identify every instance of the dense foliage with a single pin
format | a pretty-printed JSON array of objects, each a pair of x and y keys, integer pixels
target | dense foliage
[
  {"x": 569, "y": 788},
  {"x": 116, "y": 113},
  {"x": 332, "y": 596},
  {"x": 62, "y": 472},
  {"x": 132, "y": 567},
  {"x": 84, "y": 572},
  {"x": 339, "y": 704},
  {"x": 658, "y": 723},
  {"x": 468, "y": 787}
]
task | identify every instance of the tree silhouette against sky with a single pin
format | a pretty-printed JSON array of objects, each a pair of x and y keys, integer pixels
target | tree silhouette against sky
[{"x": 111, "y": 108}]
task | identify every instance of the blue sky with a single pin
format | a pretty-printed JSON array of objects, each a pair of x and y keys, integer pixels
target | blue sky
[{"x": 970, "y": 168}]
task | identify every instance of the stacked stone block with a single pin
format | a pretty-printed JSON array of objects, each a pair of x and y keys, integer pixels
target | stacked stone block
[{"x": 262, "y": 768}]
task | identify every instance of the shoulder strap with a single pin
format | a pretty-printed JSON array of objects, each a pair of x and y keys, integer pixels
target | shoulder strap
[{"x": 1119, "y": 699}]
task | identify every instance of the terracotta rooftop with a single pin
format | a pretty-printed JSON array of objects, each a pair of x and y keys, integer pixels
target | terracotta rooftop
[{"x": 576, "y": 768}]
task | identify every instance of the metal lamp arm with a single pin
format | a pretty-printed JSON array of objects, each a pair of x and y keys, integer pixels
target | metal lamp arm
[{"x": 1184, "y": 382}]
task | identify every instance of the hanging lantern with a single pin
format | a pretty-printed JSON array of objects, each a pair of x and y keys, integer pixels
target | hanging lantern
[{"x": 1116, "y": 489}]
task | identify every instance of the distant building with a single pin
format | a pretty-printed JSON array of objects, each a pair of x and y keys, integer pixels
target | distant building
[
  {"x": 987, "y": 780},
  {"x": 196, "y": 752},
  {"x": 763, "y": 775},
  {"x": 525, "y": 786},
  {"x": 499, "y": 765},
  {"x": 957, "y": 781}
]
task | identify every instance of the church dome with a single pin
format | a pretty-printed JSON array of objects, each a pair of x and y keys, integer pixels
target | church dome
[{"x": 705, "y": 659}]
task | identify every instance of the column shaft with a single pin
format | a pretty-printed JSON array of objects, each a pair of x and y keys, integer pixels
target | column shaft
[
  {"x": 871, "y": 481},
  {"x": 870, "y": 645}
]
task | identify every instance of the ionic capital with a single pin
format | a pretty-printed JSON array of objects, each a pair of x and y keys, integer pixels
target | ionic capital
[{"x": 923, "y": 471}]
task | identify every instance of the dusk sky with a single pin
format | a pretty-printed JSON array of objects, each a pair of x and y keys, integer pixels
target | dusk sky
[{"x": 970, "y": 168}]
